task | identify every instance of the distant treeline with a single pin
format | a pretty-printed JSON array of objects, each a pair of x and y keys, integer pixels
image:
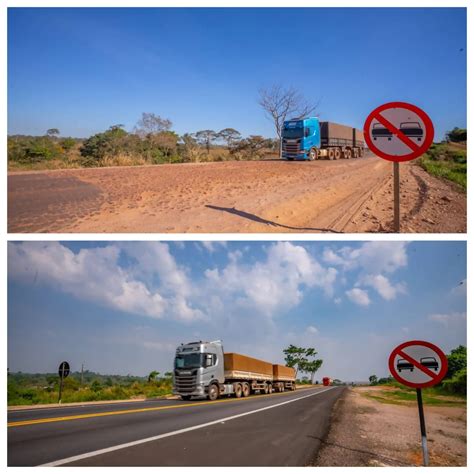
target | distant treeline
[
  {"x": 152, "y": 141},
  {"x": 27, "y": 389}
]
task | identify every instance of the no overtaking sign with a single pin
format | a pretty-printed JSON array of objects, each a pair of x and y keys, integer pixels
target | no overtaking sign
[{"x": 418, "y": 364}]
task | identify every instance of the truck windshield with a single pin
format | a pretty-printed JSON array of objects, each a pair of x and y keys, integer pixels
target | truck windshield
[
  {"x": 293, "y": 132},
  {"x": 188, "y": 361}
]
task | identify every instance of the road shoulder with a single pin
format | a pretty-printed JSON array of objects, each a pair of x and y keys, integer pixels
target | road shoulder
[{"x": 366, "y": 432}]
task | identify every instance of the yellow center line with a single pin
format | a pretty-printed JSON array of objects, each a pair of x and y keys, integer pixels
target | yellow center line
[{"x": 135, "y": 410}]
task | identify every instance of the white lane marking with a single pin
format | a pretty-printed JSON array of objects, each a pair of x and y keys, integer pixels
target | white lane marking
[{"x": 173, "y": 433}]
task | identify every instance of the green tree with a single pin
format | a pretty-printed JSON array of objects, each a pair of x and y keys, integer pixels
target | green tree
[
  {"x": 457, "y": 360},
  {"x": 99, "y": 145},
  {"x": 457, "y": 135},
  {"x": 229, "y": 135},
  {"x": 295, "y": 357},
  {"x": 152, "y": 376},
  {"x": 373, "y": 380},
  {"x": 52, "y": 133},
  {"x": 312, "y": 367}
]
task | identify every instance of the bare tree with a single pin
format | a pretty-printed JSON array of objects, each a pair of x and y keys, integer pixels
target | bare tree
[
  {"x": 206, "y": 137},
  {"x": 151, "y": 124},
  {"x": 280, "y": 103}
]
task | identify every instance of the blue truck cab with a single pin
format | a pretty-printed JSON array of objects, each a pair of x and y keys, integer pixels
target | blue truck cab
[{"x": 301, "y": 139}]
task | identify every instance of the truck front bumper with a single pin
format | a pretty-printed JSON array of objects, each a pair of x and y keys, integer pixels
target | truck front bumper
[
  {"x": 303, "y": 155},
  {"x": 199, "y": 391}
]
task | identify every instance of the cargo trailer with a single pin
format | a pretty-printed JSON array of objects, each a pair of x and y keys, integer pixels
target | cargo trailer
[
  {"x": 310, "y": 139},
  {"x": 202, "y": 369}
]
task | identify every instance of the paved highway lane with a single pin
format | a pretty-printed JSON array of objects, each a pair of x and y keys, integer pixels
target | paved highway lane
[{"x": 278, "y": 429}]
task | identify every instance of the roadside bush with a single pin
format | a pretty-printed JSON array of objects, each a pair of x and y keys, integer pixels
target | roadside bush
[
  {"x": 457, "y": 383},
  {"x": 33, "y": 149}
]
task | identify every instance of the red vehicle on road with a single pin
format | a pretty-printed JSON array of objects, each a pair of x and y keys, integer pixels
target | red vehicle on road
[{"x": 326, "y": 381}]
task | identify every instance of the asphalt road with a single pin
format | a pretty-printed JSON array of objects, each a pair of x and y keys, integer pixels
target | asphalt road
[{"x": 273, "y": 430}]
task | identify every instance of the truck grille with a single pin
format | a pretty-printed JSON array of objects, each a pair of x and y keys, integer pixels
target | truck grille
[
  {"x": 185, "y": 383},
  {"x": 293, "y": 148}
]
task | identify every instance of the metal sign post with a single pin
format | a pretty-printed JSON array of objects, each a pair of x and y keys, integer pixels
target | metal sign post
[
  {"x": 396, "y": 196},
  {"x": 398, "y": 132},
  {"x": 424, "y": 442},
  {"x": 418, "y": 364}
]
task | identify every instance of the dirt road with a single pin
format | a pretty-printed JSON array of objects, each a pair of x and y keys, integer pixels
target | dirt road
[
  {"x": 255, "y": 196},
  {"x": 366, "y": 432}
]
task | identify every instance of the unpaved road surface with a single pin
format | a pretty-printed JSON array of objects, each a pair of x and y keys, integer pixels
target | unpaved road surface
[
  {"x": 365, "y": 432},
  {"x": 256, "y": 196}
]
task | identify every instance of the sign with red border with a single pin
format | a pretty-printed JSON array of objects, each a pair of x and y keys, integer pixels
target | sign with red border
[
  {"x": 398, "y": 131},
  {"x": 418, "y": 364}
]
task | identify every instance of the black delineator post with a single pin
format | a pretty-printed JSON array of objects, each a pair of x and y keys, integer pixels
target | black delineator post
[
  {"x": 424, "y": 442},
  {"x": 396, "y": 196},
  {"x": 61, "y": 378}
]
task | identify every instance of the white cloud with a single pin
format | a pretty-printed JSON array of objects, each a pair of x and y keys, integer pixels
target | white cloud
[
  {"x": 212, "y": 246},
  {"x": 96, "y": 275},
  {"x": 358, "y": 296},
  {"x": 275, "y": 283},
  {"x": 312, "y": 330},
  {"x": 337, "y": 300},
  {"x": 383, "y": 286},
  {"x": 371, "y": 257},
  {"x": 447, "y": 319}
]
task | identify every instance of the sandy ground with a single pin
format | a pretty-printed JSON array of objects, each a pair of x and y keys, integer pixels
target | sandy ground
[
  {"x": 261, "y": 196},
  {"x": 365, "y": 432}
]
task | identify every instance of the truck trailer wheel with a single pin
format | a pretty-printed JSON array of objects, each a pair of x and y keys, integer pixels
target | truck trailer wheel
[
  {"x": 237, "y": 390},
  {"x": 265, "y": 388},
  {"x": 245, "y": 389},
  {"x": 213, "y": 392},
  {"x": 349, "y": 153},
  {"x": 313, "y": 154},
  {"x": 331, "y": 153},
  {"x": 337, "y": 153}
]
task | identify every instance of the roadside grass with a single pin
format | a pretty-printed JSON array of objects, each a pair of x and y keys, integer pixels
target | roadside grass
[
  {"x": 448, "y": 161},
  {"x": 29, "y": 391},
  {"x": 397, "y": 394}
]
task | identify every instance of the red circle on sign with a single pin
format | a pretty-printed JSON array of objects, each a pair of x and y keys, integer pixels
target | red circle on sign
[
  {"x": 410, "y": 156},
  {"x": 439, "y": 352}
]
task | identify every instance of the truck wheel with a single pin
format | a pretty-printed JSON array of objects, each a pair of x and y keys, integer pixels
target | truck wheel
[
  {"x": 313, "y": 154},
  {"x": 185, "y": 397},
  {"x": 356, "y": 153},
  {"x": 245, "y": 389},
  {"x": 331, "y": 153},
  {"x": 337, "y": 153},
  {"x": 213, "y": 392},
  {"x": 238, "y": 390},
  {"x": 349, "y": 153}
]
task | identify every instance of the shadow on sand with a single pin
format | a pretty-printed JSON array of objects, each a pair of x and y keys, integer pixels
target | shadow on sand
[{"x": 254, "y": 218}]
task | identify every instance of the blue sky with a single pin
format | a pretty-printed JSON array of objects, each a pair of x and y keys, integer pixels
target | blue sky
[
  {"x": 123, "y": 307},
  {"x": 82, "y": 70}
]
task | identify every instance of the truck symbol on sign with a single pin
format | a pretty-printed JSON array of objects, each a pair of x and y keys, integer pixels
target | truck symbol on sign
[
  {"x": 379, "y": 131},
  {"x": 412, "y": 129},
  {"x": 428, "y": 362}
]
